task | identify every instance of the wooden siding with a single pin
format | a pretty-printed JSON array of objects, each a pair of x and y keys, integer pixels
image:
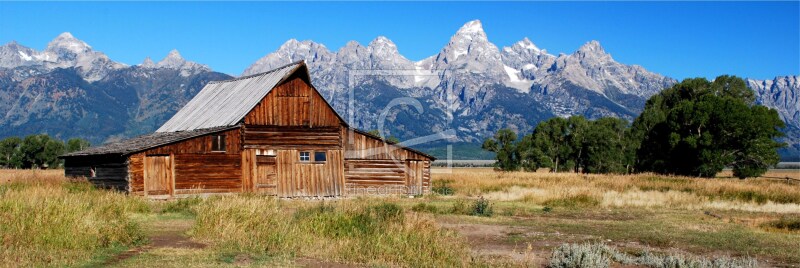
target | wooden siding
[
  {"x": 136, "y": 173},
  {"x": 295, "y": 178},
  {"x": 293, "y": 103},
  {"x": 158, "y": 175},
  {"x": 111, "y": 172},
  {"x": 248, "y": 169},
  {"x": 360, "y": 146},
  {"x": 385, "y": 176},
  {"x": 201, "y": 145},
  {"x": 292, "y": 137},
  {"x": 196, "y": 168},
  {"x": 207, "y": 173}
]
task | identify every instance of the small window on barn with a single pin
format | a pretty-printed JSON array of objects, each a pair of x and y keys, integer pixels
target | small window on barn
[
  {"x": 218, "y": 143},
  {"x": 305, "y": 156},
  {"x": 320, "y": 157},
  {"x": 92, "y": 172}
]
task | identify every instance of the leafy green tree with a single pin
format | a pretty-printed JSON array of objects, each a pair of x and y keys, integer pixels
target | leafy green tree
[
  {"x": 551, "y": 139},
  {"x": 607, "y": 146},
  {"x": 390, "y": 139},
  {"x": 76, "y": 144},
  {"x": 37, "y": 151},
  {"x": 530, "y": 157},
  {"x": 9, "y": 152},
  {"x": 578, "y": 134},
  {"x": 505, "y": 148},
  {"x": 698, "y": 127}
]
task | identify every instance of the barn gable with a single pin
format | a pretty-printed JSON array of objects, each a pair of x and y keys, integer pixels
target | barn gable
[
  {"x": 294, "y": 103},
  {"x": 226, "y": 103}
]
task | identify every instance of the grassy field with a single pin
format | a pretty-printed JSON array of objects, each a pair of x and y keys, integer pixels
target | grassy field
[{"x": 478, "y": 217}]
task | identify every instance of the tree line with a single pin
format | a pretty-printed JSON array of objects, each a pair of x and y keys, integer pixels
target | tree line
[
  {"x": 694, "y": 128},
  {"x": 37, "y": 151}
]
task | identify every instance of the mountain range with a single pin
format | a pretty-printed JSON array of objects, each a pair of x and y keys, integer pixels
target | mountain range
[{"x": 467, "y": 91}]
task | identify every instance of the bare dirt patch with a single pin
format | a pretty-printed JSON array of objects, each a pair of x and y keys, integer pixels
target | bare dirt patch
[{"x": 163, "y": 234}]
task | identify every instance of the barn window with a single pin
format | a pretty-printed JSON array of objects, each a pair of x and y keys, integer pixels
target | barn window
[
  {"x": 92, "y": 172},
  {"x": 320, "y": 157},
  {"x": 218, "y": 143},
  {"x": 305, "y": 156}
]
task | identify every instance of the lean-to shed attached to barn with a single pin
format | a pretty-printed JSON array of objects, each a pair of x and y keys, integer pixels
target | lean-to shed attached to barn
[{"x": 270, "y": 133}]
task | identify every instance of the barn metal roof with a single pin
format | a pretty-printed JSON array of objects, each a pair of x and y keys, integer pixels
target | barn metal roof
[
  {"x": 225, "y": 103},
  {"x": 145, "y": 142}
]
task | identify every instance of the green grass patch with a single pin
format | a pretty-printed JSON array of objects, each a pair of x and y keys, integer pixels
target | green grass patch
[
  {"x": 787, "y": 223},
  {"x": 576, "y": 201}
]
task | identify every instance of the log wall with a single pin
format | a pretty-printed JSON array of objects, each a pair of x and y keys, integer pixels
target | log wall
[
  {"x": 111, "y": 172},
  {"x": 360, "y": 146}
]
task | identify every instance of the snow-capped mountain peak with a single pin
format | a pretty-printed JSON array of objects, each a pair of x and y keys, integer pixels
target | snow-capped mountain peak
[
  {"x": 593, "y": 49},
  {"x": 148, "y": 63},
  {"x": 472, "y": 27},
  {"x": 65, "y": 42},
  {"x": 173, "y": 60}
]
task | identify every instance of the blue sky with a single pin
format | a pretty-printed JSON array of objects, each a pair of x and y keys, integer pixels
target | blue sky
[{"x": 678, "y": 39}]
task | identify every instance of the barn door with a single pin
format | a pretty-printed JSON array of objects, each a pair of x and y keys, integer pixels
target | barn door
[
  {"x": 158, "y": 175},
  {"x": 266, "y": 175},
  {"x": 414, "y": 177}
]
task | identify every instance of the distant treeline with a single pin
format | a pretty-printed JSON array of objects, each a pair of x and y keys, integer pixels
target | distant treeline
[
  {"x": 37, "y": 151},
  {"x": 694, "y": 128}
]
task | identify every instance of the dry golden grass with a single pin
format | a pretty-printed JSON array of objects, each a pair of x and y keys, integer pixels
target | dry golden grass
[
  {"x": 47, "y": 221},
  {"x": 640, "y": 190},
  {"x": 51, "y": 176},
  {"x": 363, "y": 231}
]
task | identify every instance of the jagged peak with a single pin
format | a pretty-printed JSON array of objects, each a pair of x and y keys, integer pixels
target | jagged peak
[
  {"x": 294, "y": 43},
  {"x": 526, "y": 44},
  {"x": 148, "y": 63},
  {"x": 353, "y": 43},
  {"x": 65, "y": 35},
  {"x": 592, "y": 47},
  {"x": 381, "y": 41},
  {"x": 174, "y": 54},
  {"x": 67, "y": 41},
  {"x": 471, "y": 27}
]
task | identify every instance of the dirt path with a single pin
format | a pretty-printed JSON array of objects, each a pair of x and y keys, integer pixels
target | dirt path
[{"x": 169, "y": 233}]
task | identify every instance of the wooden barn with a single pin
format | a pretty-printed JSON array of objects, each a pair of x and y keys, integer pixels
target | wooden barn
[{"x": 270, "y": 133}]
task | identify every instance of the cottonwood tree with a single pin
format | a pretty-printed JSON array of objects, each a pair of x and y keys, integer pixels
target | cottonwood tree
[
  {"x": 698, "y": 127},
  {"x": 9, "y": 152},
  {"x": 77, "y": 144},
  {"x": 503, "y": 144}
]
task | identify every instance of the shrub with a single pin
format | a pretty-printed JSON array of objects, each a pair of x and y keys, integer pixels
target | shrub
[
  {"x": 600, "y": 255},
  {"x": 788, "y": 223},
  {"x": 574, "y": 256},
  {"x": 482, "y": 207}
]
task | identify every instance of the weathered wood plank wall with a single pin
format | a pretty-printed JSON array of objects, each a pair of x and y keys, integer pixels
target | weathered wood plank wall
[
  {"x": 296, "y": 178},
  {"x": 111, "y": 172},
  {"x": 375, "y": 167},
  {"x": 293, "y": 103},
  {"x": 196, "y": 168}
]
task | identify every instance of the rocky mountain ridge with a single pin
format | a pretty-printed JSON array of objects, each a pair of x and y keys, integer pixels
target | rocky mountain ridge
[{"x": 468, "y": 90}]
